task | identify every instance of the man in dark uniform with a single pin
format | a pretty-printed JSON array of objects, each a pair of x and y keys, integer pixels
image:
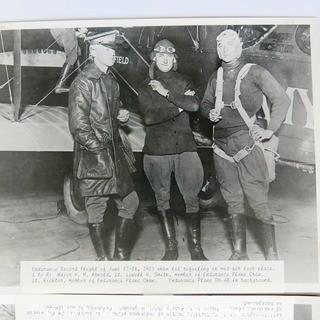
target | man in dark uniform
[
  {"x": 100, "y": 161},
  {"x": 239, "y": 159},
  {"x": 165, "y": 101}
]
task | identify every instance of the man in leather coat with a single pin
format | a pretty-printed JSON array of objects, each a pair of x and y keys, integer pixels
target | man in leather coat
[
  {"x": 164, "y": 101},
  {"x": 100, "y": 159}
]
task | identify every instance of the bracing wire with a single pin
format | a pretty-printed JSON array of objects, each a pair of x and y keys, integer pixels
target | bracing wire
[
  {"x": 6, "y": 67},
  {"x": 28, "y": 115},
  {"x": 125, "y": 81},
  {"x": 63, "y": 79}
]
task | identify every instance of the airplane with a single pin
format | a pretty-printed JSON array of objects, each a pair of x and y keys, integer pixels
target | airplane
[{"x": 33, "y": 118}]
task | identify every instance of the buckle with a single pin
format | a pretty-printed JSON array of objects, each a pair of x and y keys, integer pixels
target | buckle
[
  {"x": 232, "y": 105},
  {"x": 242, "y": 154}
]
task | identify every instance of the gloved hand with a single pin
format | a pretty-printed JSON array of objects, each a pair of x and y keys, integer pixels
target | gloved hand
[
  {"x": 214, "y": 116},
  {"x": 123, "y": 115},
  {"x": 259, "y": 134},
  {"x": 158, "y": 86}
]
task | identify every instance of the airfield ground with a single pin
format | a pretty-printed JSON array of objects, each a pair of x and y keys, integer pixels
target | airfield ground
[{"x": 31, "y": 185}]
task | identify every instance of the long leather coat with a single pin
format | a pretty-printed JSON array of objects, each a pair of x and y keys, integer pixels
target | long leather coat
[{"x": 100, "y": 161}]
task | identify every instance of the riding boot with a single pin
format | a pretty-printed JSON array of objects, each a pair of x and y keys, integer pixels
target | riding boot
[
  {"x": 61, "y": 86},
  {"x": 269, "y": 242},
  {"x": 169, "y": 233},
  {"x": 123, "y": 234},
  {"x": 96, "y": 231},
  {"x": 239, "y": 235},
  {"x": 194, "y": 236}
]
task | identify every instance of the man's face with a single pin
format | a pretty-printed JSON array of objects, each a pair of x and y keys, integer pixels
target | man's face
[
  {"x": 164, "y": 61},
  {"x": 104, "y": 55},
  {"x": 229, "y": 49}
]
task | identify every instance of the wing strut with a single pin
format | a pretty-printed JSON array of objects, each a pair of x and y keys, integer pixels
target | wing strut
[{"x": 17, "y": 73}]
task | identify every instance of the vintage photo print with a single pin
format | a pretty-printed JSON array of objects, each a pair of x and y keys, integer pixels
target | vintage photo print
[{"x": 185, "y": 141}]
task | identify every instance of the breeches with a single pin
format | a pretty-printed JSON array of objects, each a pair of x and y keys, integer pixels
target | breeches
[
  {"x": 248, "y": 179},
  {"x": 188, "y": 172},
  {"x": 96, "y": 206}
]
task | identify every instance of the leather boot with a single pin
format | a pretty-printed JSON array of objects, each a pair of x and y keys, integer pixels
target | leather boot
[
  {"x": 96, "y": 231},
  {"x": 61, "y": 86},
  {"x": 194, "y": 236},
  {"x": 269, "y": 242},
  {"x": 169, "y": 233},
  {"x": 123, "y": 234},
  {"x": 239, "y": 237}
]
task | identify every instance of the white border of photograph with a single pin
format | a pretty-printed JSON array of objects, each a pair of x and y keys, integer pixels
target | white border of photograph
[{"x": 288, "y": 287}]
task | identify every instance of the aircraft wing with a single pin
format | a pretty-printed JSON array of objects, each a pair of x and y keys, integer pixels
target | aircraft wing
[
  {"x": 35, "y": 58},
  {"x": 45, "y": 129}
]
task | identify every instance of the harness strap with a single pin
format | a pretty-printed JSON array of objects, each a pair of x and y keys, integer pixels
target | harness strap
[
  {"x": 219, "y": 152},
  {"x": 237, "y": 102},
  {"x": 265, "y": 109},
  {"x": 241, "y": 154},
  {"x": 219, "y": 104}
]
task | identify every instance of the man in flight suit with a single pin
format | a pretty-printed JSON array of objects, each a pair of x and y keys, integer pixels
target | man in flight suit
[
  {"x": 248, "y": 178},
  {"x": 100, "y": 161},
  {"x": 165, "y": 100}
]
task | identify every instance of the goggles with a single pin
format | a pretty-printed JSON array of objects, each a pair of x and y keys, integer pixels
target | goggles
[{"x": 163, "y": 49}]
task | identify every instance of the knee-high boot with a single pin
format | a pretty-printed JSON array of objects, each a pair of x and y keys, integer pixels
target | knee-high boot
[
  {"x": 269, "y": 242},
  {"x": 123, "y": 235},
  {"x": 169, "y": 233},
  {"x": 96, "y": 231},
  {"x": 194, "y": 236},
  {"x": 239, "y": 237}
]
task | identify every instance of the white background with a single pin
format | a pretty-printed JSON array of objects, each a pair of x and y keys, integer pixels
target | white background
[{"x": 28, "y": 10}]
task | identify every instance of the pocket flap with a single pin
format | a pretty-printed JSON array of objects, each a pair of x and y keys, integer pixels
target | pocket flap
[{"x": 95, "y": 165}]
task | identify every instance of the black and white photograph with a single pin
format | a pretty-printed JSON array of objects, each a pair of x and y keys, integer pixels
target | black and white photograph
[{"x": 159, "y": 141}]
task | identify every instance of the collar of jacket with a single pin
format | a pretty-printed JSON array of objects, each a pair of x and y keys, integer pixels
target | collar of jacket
[
  {"x": 164, "y": 75},
  {"x": 94, "y": 72}
]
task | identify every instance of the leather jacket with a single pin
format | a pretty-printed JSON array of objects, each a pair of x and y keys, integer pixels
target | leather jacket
[{"x": 99, "y": 155}]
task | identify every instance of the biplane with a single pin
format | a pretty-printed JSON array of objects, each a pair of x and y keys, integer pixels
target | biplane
[{"x": 34, "y": 118}]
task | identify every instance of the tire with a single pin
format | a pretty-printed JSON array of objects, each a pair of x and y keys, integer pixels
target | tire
[
  {"x": 74, "y": 205},
  {"x": 212, "y": 202},
  {"x": 210, "y": 195}
]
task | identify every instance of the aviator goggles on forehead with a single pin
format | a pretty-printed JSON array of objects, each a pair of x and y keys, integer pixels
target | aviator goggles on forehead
[{"x": 163, "y": 49}]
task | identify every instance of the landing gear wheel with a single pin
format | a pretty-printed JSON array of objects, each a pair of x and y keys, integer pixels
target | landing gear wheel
[
  {"x": 207, "y": 202},
  {"x": 74, "y": 205},
  {"x": 210, "y": 195}
]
